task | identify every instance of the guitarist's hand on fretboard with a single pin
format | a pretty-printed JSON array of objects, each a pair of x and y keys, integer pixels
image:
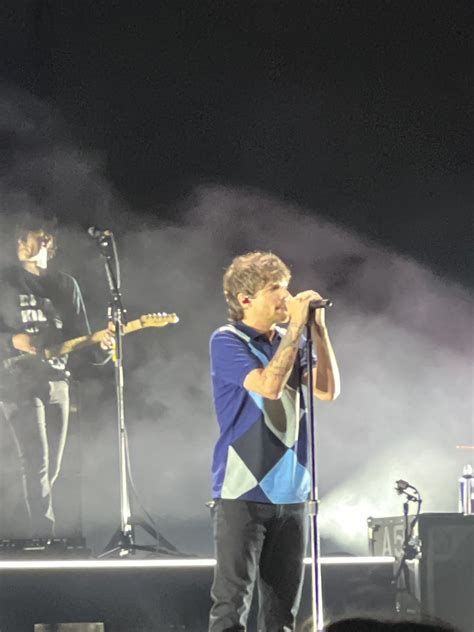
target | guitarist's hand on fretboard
[
  {"x": 107, "y": 337},
  {"x": 25, "y": 342}
]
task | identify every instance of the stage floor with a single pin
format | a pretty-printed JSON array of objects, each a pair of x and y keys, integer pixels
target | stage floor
[{"x": 164, "y": 595}]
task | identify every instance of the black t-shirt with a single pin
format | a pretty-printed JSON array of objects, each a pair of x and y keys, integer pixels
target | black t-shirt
[{"x": 49, "y": 306}]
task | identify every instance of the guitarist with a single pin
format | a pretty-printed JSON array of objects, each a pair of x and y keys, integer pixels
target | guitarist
[{"x": 38, "y": 308}]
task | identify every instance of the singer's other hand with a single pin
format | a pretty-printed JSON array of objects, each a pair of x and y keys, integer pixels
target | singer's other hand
[{"x": 320, "y": 317}]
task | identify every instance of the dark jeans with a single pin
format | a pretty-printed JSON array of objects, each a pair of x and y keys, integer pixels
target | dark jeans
[
  {"x": 262, "y": 543},
  {"x": 39, "y": 421}
]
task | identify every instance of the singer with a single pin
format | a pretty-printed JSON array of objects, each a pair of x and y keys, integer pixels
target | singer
[
  {"x": 260, "y": 477},
  {"x": 39, "y": 307}
]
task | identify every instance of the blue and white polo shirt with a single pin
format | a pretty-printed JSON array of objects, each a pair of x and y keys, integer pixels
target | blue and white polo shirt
[{"x": 262, "y": 451}]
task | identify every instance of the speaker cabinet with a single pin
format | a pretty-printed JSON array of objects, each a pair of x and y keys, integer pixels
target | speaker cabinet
[{"x": 442, "y": 579}]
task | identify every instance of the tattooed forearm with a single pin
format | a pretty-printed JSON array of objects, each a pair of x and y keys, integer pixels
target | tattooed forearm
[{"x": 282, "y": 362}]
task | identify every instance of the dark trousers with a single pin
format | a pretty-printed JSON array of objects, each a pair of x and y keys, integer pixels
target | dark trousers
[
  {"x": 263, "y": 544},
  {"x": 39, "y": 421}
]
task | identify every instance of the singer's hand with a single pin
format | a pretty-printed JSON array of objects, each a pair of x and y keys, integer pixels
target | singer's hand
[
  {"x": 320, "y": 317},
  {"x": 298, "y": 307}
]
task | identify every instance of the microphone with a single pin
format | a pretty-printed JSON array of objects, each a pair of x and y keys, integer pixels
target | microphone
[
  {"x": 98, "y": 233},
  {"x": 321, "y": 303},
  {"x": 401, "y": 486}
]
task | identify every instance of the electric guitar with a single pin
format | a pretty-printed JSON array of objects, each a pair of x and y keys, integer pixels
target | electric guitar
[{"x": 68, "y": 346}]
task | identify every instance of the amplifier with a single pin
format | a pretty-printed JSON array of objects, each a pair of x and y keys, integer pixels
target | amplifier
[
  {"x": 40, "y": 548},
  {"x": 442, "y": 576}
]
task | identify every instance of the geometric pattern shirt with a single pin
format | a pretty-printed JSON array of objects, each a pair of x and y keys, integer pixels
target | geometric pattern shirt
[{"x": 261, "y": 454}]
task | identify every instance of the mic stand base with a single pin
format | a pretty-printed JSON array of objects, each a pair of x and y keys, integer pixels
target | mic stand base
[{"x": 121, "y": 544}]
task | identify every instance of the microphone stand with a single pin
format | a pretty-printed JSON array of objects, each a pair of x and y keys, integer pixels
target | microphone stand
[
  {"x": 123, "y": 540},
  {"x": 313, "y": 503},
  {"x": 410, "y": 551}
]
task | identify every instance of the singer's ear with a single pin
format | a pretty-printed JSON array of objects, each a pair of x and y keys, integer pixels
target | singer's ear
[{"x": 243, "y": 299}]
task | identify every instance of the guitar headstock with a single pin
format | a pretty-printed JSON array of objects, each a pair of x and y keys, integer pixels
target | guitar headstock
[{"x": 159, "y": 319}]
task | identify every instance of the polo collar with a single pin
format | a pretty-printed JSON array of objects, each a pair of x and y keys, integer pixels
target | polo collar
[{"x": 254, "y": 333}]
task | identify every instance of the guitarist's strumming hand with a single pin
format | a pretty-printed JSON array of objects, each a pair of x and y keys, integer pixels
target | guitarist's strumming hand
[{"x": 25, "y": 343}]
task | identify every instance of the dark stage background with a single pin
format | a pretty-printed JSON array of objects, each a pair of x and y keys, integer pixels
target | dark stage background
[{"x": 336, "y": 134}]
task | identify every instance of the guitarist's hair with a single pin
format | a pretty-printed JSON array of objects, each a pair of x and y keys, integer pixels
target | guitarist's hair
[{"x": 32, "y": 222}]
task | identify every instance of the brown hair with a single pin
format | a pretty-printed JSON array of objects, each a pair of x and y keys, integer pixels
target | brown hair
[
  {"x": 29, "y": 222},
  {"x": 249, "y": 273}
]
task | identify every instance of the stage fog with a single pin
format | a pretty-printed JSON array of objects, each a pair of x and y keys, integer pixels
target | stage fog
[{"x": 398, "y": 330}]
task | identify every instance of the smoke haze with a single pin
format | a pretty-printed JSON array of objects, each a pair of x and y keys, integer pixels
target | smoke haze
[{"x": 401, "y": 334}]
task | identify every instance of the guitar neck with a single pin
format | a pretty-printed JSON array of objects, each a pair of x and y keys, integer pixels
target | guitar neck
[{"x": 86, "y": 341}]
